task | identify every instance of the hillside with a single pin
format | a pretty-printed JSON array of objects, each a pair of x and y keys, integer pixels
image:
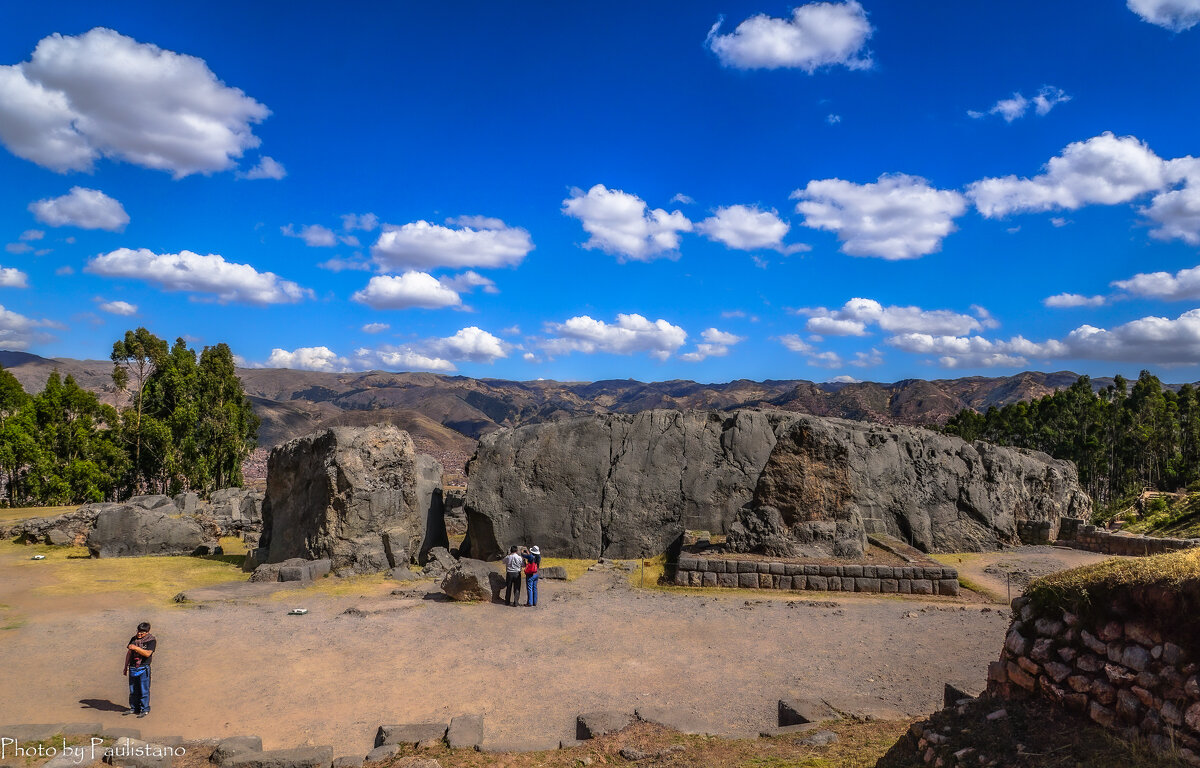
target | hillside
[{"x": 446, "y": 414}]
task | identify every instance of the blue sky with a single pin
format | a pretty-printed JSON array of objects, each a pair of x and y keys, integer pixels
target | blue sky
[{"x": 708, "y": 191}]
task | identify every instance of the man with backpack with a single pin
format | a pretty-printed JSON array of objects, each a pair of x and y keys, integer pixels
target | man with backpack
[
  {"x": 513, "y": 565},
  {"x": 138, "y": 654},
  {"x": 533, "y": 562}
]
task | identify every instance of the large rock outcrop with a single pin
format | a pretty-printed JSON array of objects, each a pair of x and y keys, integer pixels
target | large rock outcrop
[
  {"x": 359, "y": 496},
  {"x": 126, "y": 530},
  {"x": 620, "y": 485},
  {"x": 628, "y": 485}
]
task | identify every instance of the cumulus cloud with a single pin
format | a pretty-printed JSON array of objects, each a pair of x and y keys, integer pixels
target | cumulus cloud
[
  {"x": 620, "y": 224},
  {"x": 123, "y": 308},
  {"x": 307, "y": 359},
  {"x": 817, "y": 35},
  {"x": 472, "y": 344},
  {"x": 853, "y": 318},
  {"x": 1184, "y": 284},
  {"x": 897, "y": 217},
  {"x": 421, "y": 245},
  {"x": 682, "y": 199},
  {"x": 469, "y": 281},
  {"x": 976, "y": 351},
  {"x": 746, "y": 228},
  {"x": 81, "y": 207},
  {"x": 401, "y": 358},
  {"x": 1175, "y": 15},
  {"x": 1177, "y": 213},
  {"x": 267, "y": 168},
  {"x": 1069, "y": 300},
  {"x": 630, "y": 334},
  {"x": 212, "y": 274},
  {"x": 716, "y": 344},
  {"x": 338, "y": 264},
  {"x": 104, "y": 94},
  {"x": 32, "y": 234},
  {"x": 313, "y": 235},
  {"x": 18, "y": 331},
  {"x": 1046, "y": 99},
  {"x": 18, "y": 248},
  {"x": 1104, "y": 169},
  {"x": 410, "y": 290},
  {"x": 11, "y": 277},
  {"x": 867, "y": 359},
  {"x": 796, "y": 344},
  {"x": 375, "y": 327}
]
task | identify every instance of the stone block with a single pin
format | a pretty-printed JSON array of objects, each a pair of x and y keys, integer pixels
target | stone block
[
  {"x": 829, "y": 570},
  {"x": 382, "y": 753},
  {"x": 948, "y": 587},
  {"x": 680, "y": 720},
  {"x": 866, "y": 584},
  {"x": 589, "y": 725},
  {"x": 785, "y": 582},
  {"x": 231, "y": 746},
  {"x": 777, "y": 569},
  {"x": 868, "y": 571},
  {"x": 716, "y": 566},
  {"x": 748, "y": 580},
  {"x": 349, "y": 761},
  {"x": 302, "y": 757},
  {"x": 922, "y": 587},
  {"x": 727, "y": 580},
  {"x": 852, "y": 570},
  {"x": 904, "y": 586},
  {"x": 747, "y": 566},
  {"x": 764, "y": 581},
  {"x": 133, "y": 753},
  {"x": 798, "y": 711},
  {"x": 817, "y": 582},
  {"x": 764, "y": 567},
  {"x": 465, "y": 732},
  {"x": 800, "y": 582},
  {"x": 709, "y": 579},
  {"x": 888, "y": 586},
  {"x": 793, "y": 569},
  {"x": 412, "y": 734}
]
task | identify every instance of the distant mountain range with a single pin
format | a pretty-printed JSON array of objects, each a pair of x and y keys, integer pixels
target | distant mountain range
[{"x": 447, "y": 414}]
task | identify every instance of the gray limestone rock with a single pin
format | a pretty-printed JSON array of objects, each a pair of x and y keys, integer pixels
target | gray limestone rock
[
  {"x": 589, "y": 725},
  {"x": 413, "y": 734},
  {"x": 131, "y": 531},
  {"x": 336, "y": 494},
  {"x": 232, "y": 746},
  {"x": 466, "y": 732},
  {"x": 301, "y": 757},
  {"x": 470, "y": 580}
]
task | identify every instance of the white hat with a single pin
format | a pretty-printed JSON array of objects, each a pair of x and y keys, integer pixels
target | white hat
[{"x": 535, "y": 551}]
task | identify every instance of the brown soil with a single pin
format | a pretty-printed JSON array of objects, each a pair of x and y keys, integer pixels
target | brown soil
[
  {"x": 240, "y": 666},
  {"x": 1011, "y": 571}
]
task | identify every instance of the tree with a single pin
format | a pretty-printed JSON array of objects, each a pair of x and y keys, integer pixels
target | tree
[
  {"x": 135, "y": 359},
  {"x": 228, "y": 428}
]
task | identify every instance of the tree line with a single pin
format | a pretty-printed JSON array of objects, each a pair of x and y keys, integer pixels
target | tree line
[
  {"x": 185, "y": 424},
  {"x": 1121, "y": 438}
]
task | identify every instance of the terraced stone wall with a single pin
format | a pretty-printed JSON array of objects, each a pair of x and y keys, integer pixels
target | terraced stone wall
[
  {"x": 762, "y": 574},
  {"x": 1077, "y": 534}
]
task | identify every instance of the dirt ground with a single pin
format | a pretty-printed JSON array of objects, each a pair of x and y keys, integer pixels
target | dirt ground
[
  {"x": 237, "y": 666},
  {"x": 1009, "y": 572}
]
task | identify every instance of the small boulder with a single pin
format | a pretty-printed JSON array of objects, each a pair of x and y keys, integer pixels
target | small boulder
[
  {"x": 469, "y": 580},
  {"x": 232, "y": 746},
  {"x": 553, "y": 572},
  {"x": 131, "y": 531},
  {"x": 58, "y": 538},
  {"x": 413, "y": 734},
  {"x": 589, "y": 725},
  {"x": 301, "y": 757},
  {"x": 466, "y": 732}
]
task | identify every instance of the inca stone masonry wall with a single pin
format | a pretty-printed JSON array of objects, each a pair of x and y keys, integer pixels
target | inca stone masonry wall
[
  {"x": 1078, "y": 534},
  {"x": 1121, "y": 671},
  {"x": 762, "y": 574}
]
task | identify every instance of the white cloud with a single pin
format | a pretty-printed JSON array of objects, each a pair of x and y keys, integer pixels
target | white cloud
[
  {"x": 473, "y": 344},
  {"x": 619, "y": 223},
  {"x": 32, "y": 234},
  {"x": 19, "y": 332},
  {"x": 123, "y": 308},
  {"x": 1177, "y": 213},
  {"x": 399, "y": 359},
  {"x": 476, "y": 222},
  {"x": 1184, "y": 284},
  {"x": 1175, "y": 15},
  {"x": 716, "y": 344},
  {"x": 313, "y": 235},
  {"x": 366, "y": 222},
  {"x": 985, "y": 318},
  {"x": 897, "y": 217},
  {"x": 83, "y": 208},
  {"x": 468, "y": 281},
  {"x": 408, "y": 291},
  {"x": 18, "y": 248},
  {"x": 631, "y": 333},
  {"x": 746, "y": 228},
  {"x": 63, "y": 271},
  {"x": 1068, "y": 300},
  {"x": 105, "y": 94},
  {"x": 375, "y": 327},
  {"x": 421, "y": 245},
  {"x": 1104, "y": 169},
  {"x": 267, "y": 168},
  {"x": 1046, "y": 99},
  {"x": 867, "y": 359},
  {"x": 682, "y": 199},
  {"x": 338, "y": 264},
  {"x": 856, "y": 314},
  {"x": 976, "y": 351},
  {"x": 796, "y": 344},
  {"x": 833, "y": 119},
  {"x": 817, "y": 35},
  {"x": 1058, "y": 221},
  {"x": 843, "y": 379},
  {"x": 11, "y": 277},
  {"x": 307, "y": 359},
  {"x": 191, "y": 272}
]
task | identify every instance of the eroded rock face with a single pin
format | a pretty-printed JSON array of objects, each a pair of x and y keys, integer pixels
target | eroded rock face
[
  {"x": 831, "y": 478},
  {"x": 619, "y": 485},
  {"x": 130, "y": 531},
  {"x": 359, "y": 496},
  {"x": 628, "y": 485}
]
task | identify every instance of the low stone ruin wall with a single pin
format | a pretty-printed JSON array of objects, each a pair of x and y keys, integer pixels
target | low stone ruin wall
[
  {"x": 1077, "y": 534},
  {"x": 762, "y": 574},
  {"x": 1036, "y": 531},
  {"x": 1123, "y": 674}
]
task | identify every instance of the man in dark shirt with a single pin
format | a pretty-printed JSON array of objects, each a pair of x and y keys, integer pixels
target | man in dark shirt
[{"x": 137, "y": 665}]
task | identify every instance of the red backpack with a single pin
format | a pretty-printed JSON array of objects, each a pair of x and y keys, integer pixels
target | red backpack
[{"x": 530, "y": 568}]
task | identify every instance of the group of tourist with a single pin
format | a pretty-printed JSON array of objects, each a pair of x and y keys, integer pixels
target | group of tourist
[{"x": 521, "y": 561}]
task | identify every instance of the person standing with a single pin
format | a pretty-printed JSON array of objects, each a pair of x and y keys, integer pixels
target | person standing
[
  {"x": 138, "y": 654},
  {"x": 513, "y": 565},
  {"x": 533, "y": 564}
]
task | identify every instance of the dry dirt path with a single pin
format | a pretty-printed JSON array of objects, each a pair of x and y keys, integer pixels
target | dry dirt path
[{"x": 1012, "y": 570}]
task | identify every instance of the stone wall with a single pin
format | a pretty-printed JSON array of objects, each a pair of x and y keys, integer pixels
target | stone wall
[
  {"x": 1078, "y": 534},
  {"x": 762, "y": 574},
  {"x": 1036, "y": 531},
  {"x": 1121, "y": 669}
]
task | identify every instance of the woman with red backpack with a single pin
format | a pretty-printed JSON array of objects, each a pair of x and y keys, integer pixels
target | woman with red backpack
[{"x": 533, "y": 561}]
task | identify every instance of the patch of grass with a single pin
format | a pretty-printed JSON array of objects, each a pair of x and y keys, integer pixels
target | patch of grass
[
  {"x": 575, "y": 567},
  {"x": 156, "y": 578},
  {"x": 24, "y": 513},
  {"x": 366, "y": 585},
  {"x": 981, "y": 590}
]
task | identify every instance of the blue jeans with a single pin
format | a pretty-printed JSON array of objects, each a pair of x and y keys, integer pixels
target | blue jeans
[
  {"x": 139, "y": 689},
  {"x": 531, "y": 589}
]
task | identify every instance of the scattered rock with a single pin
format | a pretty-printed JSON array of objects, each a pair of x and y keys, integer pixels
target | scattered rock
[
  {"x": 382, "y": 753},
  {"x": 470, "y": 580},
  {"x": 820, "y": 739},
  {"x": 414, "y": 734},
  {"x": 301, "y": 757},
  {"x": 465, "y": 732},
  {"x": 589, "y": 725},
  {"x": 232, "y": 746},
  {"x": 132, "y": 531},
  {"x": 799, "y": 711}
]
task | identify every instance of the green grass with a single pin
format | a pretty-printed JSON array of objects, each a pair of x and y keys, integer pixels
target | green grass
[
  {"x": 575, "y": 567},
  {"x": 1094, "y": 588},
  {"x": 25, "y": 513}
]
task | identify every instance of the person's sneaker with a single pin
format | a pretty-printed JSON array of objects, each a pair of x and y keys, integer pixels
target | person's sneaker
[
  {"x": 142, "y": 714},
  {"x": 129, "y": 712}
]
